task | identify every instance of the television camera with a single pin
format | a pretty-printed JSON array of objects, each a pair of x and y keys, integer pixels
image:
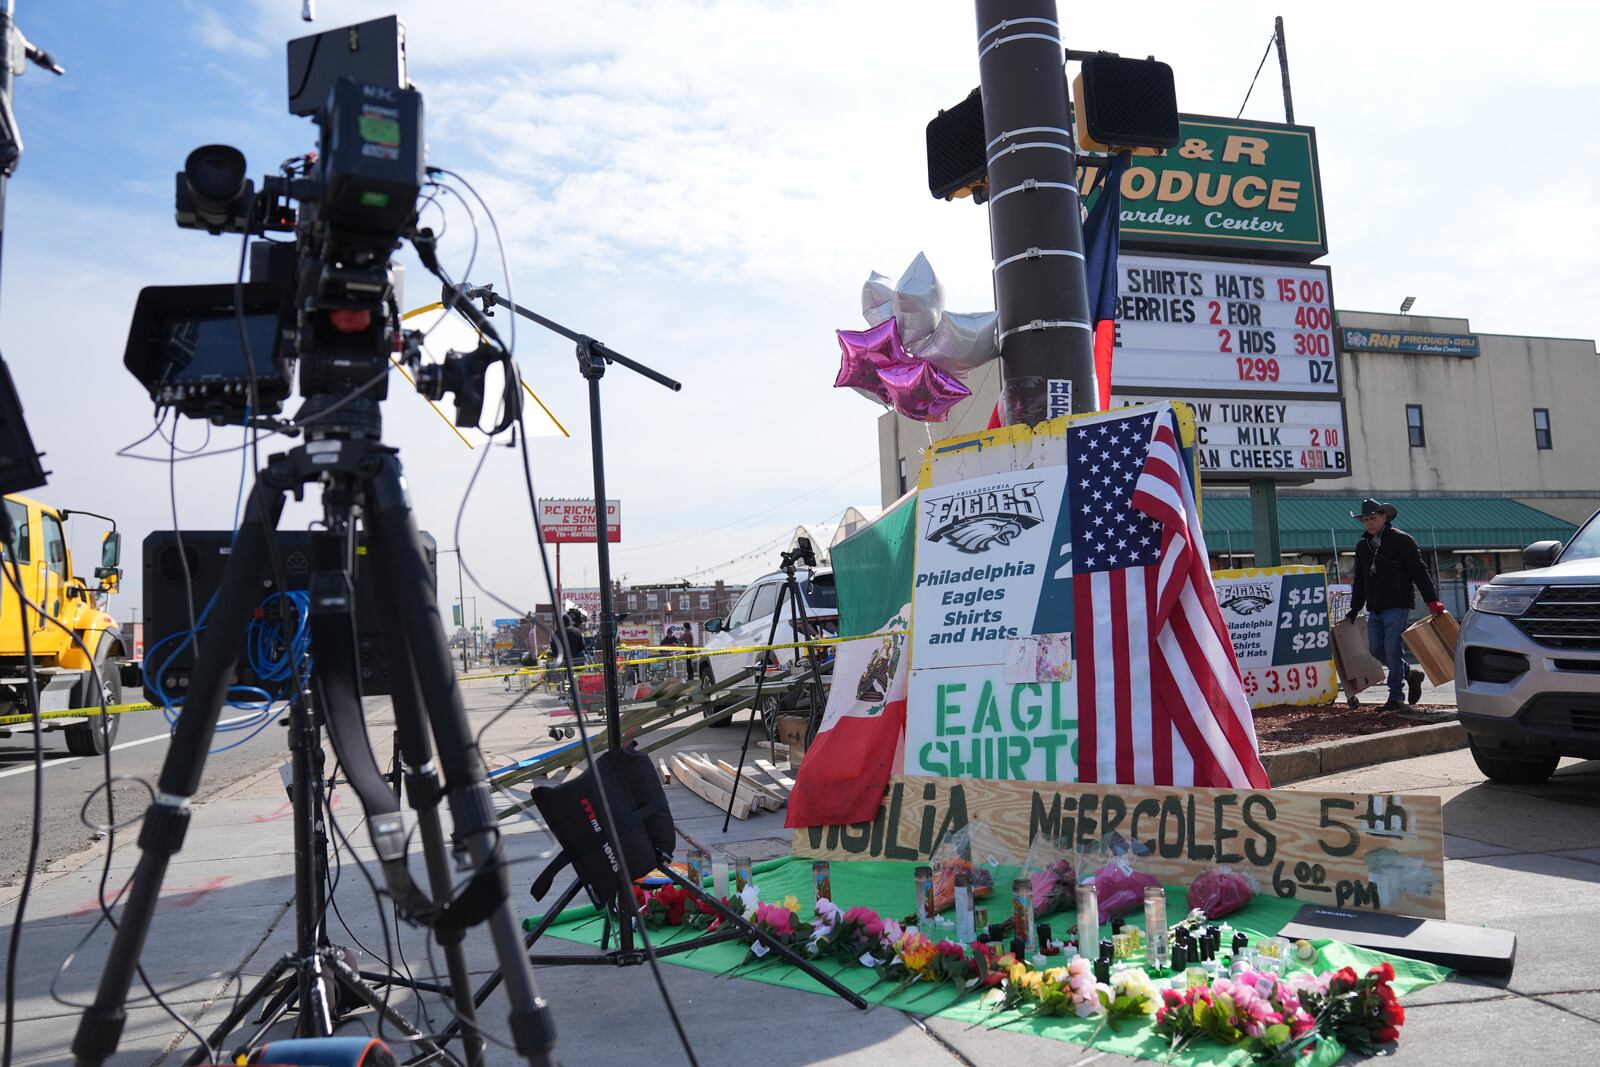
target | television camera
[{"x": 326, "y": 300}]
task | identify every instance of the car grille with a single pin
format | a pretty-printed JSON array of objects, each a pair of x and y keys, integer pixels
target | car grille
[
  {"x": 1566, "y": 713},
  {"x": 1565, "y": 616}
]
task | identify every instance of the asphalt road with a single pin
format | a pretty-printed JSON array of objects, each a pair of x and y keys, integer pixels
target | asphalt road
[{"x": 140, "y": 747}]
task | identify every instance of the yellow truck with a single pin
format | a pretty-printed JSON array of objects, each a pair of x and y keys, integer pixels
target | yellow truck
[{"x": 79, "y": 654}]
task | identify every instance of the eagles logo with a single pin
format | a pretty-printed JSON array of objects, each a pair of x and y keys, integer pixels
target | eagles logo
[
  {"x": 1247, "y": 603},
  {"x": 973, "y": 522}
]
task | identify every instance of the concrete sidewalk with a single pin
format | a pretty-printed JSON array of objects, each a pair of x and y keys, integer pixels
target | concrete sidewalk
[{"x": 225, "y": 919}]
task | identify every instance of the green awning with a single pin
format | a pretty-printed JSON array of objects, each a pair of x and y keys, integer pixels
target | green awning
[{"x": 1307, "y": 523}]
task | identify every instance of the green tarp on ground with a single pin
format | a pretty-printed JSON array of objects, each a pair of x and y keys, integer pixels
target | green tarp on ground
[{"x": 887, "y": 889}]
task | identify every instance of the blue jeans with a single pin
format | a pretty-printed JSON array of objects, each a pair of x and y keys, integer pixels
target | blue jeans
[{"x": 1383, "y": 637}]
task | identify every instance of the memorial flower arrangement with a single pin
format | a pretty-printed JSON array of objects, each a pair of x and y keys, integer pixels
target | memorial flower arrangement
[
  {"x": 672, "y": 905},
  {"x": 1281, "y": 1020},
  {"x": 944, "y": 881}
]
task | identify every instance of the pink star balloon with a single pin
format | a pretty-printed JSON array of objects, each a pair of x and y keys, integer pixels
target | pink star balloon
[
  {"x": 919, "y": 390},
  {"x": 865, "y": 354}
]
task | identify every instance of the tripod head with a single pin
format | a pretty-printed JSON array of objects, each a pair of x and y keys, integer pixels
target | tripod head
[{"x": 801, "y": 555}]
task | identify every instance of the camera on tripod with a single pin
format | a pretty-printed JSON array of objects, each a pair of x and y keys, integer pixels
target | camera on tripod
[
  {"x": 802, "y": 555},
  {"x": 228, "y": 353}
]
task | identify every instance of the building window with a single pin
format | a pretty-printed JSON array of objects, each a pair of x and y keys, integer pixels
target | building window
[
  {"x": 1414, "y": 430},
  {"x": 1541, "y": 427},
  {"x": 705, "y": 601},
  {"x": 683, "y": 602},
  {"x": 902, "y": 475},
  {"x": 650, "y": 601}
]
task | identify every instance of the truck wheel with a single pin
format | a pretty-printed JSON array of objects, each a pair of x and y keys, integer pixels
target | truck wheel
[
  {"x": 98, "y": 734},
  {"x": 708, "y": 682},
  {"x": 1514, "y": 770}
]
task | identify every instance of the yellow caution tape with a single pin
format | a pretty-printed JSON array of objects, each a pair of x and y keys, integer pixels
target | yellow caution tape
[{"x": 78, "y": 713}]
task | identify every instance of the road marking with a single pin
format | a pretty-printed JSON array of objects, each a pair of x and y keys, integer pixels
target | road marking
[{"x": 28, "y": 768}]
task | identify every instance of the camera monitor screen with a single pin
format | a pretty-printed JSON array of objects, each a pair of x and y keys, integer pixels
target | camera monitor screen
[
  {"x": 202, "y": 348},
  {"x": 184, "y": 345}
]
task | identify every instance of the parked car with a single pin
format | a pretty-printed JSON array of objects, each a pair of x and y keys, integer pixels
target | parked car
[
  {"x": 750, "y": 623},
  {"x": 1528, "y": 662}
]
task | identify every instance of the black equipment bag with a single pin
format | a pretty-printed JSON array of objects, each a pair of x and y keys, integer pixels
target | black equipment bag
[{"x": 576, "y": 817}]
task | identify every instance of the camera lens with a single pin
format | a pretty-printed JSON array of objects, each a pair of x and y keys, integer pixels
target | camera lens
[{"x": 215, "y": 176}]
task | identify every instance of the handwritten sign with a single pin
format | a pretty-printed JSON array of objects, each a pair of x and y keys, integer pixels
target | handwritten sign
[
  {"x": 1377, "y": 852},
  {"x": 1277, "y": 619}
]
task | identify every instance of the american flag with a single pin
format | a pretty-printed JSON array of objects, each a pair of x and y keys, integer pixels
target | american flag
[{"x": 1160, "y": 699}]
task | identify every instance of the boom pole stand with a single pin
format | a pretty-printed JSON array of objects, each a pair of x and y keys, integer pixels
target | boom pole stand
[{"x": 593, "y": 357}]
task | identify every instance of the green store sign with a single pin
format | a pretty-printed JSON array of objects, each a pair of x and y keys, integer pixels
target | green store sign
[{"x": 1231, "y": 187}]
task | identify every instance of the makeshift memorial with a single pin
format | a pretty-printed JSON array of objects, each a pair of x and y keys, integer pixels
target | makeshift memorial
[{"x": 1220, "y": 891}]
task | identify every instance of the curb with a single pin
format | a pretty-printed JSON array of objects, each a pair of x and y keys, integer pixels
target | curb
[{"x": 1312, "y": 761}]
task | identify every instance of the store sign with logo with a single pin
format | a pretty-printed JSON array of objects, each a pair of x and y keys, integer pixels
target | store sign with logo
[
  {"x": 1231, "y": 187},
  {"x": 1433, "y": 344},
  {"x": 1277, "y": 619}
]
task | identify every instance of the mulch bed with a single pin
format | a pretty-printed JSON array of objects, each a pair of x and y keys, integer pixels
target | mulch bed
[{"x": 1286, "y": 725}]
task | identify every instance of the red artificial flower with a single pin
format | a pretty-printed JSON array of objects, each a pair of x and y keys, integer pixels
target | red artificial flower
[
  {"x": 1393, "y": 1013},
  {"x": 1384, "y": 972},
  {"x": 950, "y": 949},
  {"x": 640, "y": 897},
  {"x": 1343, "y": 980},
  {"x": 705, "y": 907},
  {"x": 1385, "y": 994},
  {"x": 1386, "y": 1033}
]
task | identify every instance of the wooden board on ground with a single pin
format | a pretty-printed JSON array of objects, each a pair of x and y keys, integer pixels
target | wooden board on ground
[
  {"x": 689, "y": 777},
  {"x": 776, "y": 775},
  {"x": 1374, "y": 851},
  {"x": 710, "y": 772},
  {"x": 773, "y": 793}
]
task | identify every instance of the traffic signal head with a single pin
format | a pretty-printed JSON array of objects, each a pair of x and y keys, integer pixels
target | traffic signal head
[
  {"x": 1125, "y": 103},
  {"x": 957, "y": 162}
]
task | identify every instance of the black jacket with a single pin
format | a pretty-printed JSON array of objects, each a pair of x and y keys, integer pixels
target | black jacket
[{"x": 1399, "y": 566}]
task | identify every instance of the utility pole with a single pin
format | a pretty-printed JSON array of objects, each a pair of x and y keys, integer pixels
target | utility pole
[
  {"x": 461, "y": 603},
  {"x": 10, "y": 133},
  {"x": 1036, "y": 235},
  {"x": 1264, "y": 491},
  {"x": 1283, "y": 67}
]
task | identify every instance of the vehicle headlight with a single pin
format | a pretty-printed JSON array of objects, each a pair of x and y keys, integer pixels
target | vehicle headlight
[{"x": 1497, "y": 599}]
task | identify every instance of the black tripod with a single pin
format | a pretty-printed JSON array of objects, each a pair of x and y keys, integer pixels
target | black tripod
[
  {"x": 789, "y": 592},
  {"x": 316, "y": 980},
  {"x": 356, "y": 472}
]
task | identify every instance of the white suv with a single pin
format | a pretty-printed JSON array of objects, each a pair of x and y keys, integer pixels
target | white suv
[
  {"x": 1528, "y": 662},
  {"x": 750, "y": 622}
]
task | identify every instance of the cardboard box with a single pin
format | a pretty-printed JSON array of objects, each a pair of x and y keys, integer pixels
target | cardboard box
[
  {"x": 792, "y": 734},
  {"x": 1358, "y": 668},
  {"x": 1432, "y": 639}
]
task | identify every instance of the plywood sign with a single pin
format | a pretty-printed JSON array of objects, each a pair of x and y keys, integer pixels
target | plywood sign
[{"x": 1373, "y": 851}]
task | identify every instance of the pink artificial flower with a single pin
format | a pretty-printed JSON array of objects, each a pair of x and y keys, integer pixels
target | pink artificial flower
[{"x": 872, "y": 927}]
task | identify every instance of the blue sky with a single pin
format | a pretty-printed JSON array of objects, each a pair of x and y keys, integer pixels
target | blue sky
[{"x": 705, "y": 186}]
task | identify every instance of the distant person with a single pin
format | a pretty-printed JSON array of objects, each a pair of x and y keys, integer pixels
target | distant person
[
  {"x": 572, "y": 627},
  {"x": 1388, "y": 565}
]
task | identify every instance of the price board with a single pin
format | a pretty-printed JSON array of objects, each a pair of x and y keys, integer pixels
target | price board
[
  {"x": 1256, "y": 436},
  {"x": 1203, "y": 326},
  {"x": 1277, "y": 619}
]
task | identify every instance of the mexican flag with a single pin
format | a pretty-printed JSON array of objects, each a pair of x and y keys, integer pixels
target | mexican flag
[{"x": 847, "y": 767}]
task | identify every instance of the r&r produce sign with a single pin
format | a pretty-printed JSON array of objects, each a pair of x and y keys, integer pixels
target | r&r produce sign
[
  {"x": 1236, "y": 188},
  {"x": 1373, "y": 851},
  {"x": 1277, "y": 619}
]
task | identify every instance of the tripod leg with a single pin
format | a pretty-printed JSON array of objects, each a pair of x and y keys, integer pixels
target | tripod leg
[
  {"x": 167, "y": 818},
  {"x": 414, "y": 752},
  {"x": 761, "y": 677},
  {"x": 396, "y": 549}
]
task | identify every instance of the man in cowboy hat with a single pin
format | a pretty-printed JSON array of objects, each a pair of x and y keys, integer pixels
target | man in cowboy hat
[{"x": 1388, "y": 565}]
